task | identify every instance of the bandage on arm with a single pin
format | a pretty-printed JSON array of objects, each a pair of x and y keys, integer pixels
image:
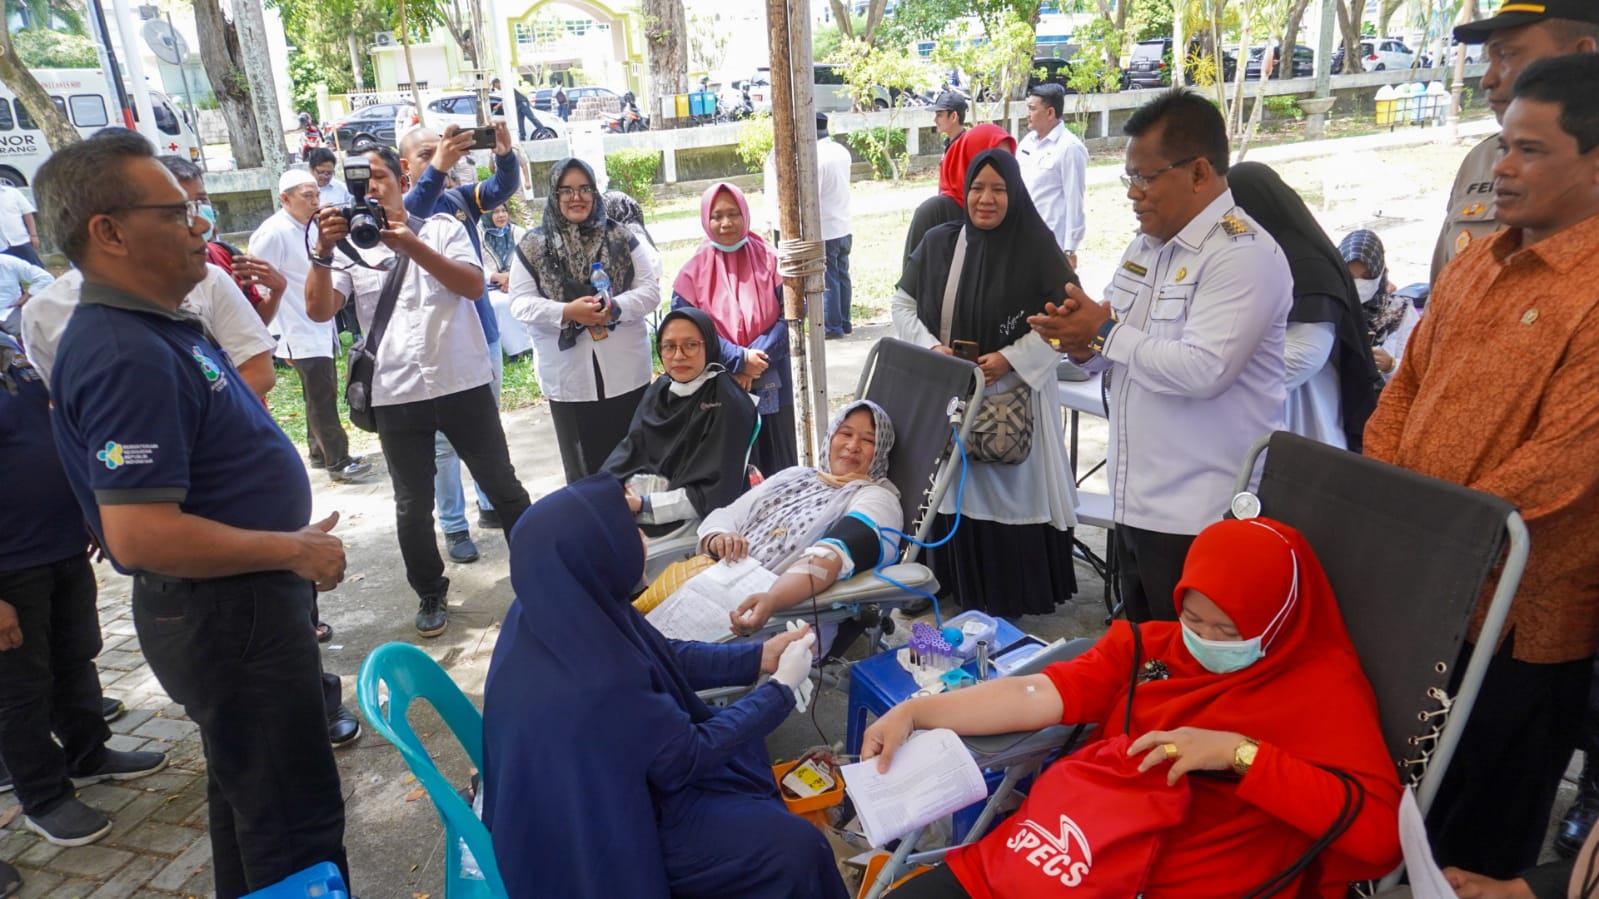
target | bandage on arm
[{"x": 666, "y": 507}]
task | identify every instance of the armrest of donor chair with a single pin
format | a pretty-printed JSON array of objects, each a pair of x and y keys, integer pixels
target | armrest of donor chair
[{"x": 864, "y": 588}]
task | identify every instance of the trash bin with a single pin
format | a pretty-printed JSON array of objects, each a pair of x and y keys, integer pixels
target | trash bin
[
  {"x": 696, "y": 104},
  {"x": 1413, "y": 106},
  {"x": 682, "y": 106},
  {"x": 1385, "y": 105},
  {"x": 1437, "y": 101}
]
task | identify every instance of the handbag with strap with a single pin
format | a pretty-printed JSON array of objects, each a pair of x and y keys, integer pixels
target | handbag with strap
[
  {"x": 363, "y": 356},
  {"x": 1003, "y": 431}
]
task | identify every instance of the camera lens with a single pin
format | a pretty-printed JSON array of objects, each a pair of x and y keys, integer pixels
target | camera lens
[{"x": 364, "y": 230}]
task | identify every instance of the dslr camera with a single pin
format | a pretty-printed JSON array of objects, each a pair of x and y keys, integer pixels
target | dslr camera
[{"x": 364, "y": 216}]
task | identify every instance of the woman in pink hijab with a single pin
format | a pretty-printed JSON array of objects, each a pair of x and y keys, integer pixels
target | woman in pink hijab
[{"x": 734, "y": 279}]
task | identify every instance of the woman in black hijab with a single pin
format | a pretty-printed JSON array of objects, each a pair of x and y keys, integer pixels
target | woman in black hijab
[
  {"x": 685, "y": 452},
  {"x": 1332, "y": 381},
  {"x": 1012, "y": 554}
]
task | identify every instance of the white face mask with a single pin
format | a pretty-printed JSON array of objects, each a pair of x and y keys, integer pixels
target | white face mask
[
  {"x": 688, "y": 388},
  {"x": 1366, "y": 288}
]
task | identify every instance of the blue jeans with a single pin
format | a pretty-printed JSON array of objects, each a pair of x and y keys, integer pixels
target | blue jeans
[
  {"x": 838, "y": 293},
  {"x": 448, "y": 498}
]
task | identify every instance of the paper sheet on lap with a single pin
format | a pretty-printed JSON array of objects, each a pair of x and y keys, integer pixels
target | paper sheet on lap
[
  {"x": 698, "y": 610},
  {"x": 933, "y": 775}
]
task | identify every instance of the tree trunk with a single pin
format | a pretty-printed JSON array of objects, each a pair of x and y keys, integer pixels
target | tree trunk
[
  {"x": 355, "y": 63},
  {"x": 846, "y": 27},
  {"x": 1385, "y": 15},
  {"x": 410, "y": 70},
  {"x": 1118, "y": 20},
  {"x": 58, "y": 132},
  {"x": 874, "y": 19},
  {"x": 1349, "y": 14},
  {"x": 463, "y": 35},
  {"x": 1179, "y": 42},
  {"x": 666, "y": 42},
  {"x": 219, "y": 52},
  {"x": 1290, "y": 41},
  {"x": 251, "y": 23}
]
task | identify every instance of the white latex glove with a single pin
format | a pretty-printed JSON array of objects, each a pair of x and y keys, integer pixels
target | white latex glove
[{"x": 794, "y": 669}]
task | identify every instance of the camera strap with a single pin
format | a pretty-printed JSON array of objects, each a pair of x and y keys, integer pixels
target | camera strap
[{"x": 383, "y": 265}]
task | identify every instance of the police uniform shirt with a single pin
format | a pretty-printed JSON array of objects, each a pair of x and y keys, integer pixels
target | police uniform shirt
[
  {"x": 1055, "y": 170},
  {"x": 149, "y": 410},
  {"x": 434, "y": 345},
  {"x": 1198, "y": 366},
  {"x": 1470, "y": 216},
  {"x": 39, "y": 518}
]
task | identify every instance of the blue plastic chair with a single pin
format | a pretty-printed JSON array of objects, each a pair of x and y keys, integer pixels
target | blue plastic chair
[
  {"x": 320, "y": 881},
  {"x": 410, "y": 674}
]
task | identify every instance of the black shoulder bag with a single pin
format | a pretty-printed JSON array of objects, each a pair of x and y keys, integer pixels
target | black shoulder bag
[{"x": 363, "y": 356}]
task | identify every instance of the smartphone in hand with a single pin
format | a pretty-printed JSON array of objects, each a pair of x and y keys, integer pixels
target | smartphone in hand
[
  {"x": 965, "y": 349},
  {"x": 483, "y": 138}
]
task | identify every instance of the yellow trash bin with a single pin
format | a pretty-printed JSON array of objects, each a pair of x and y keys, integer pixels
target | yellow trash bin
[
  {"x": 682, "y": 106},
  {"x": 1385, "y": 105}
]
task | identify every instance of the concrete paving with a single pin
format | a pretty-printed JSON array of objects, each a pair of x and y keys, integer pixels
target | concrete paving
[{"x": 158, "y": 848}]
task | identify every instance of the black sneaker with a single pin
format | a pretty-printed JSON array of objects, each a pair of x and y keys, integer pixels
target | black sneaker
[
  {"x": 350, "y": 469},
  {"x": 123, "y": 766},
  {"x": 10, "y": 881},
  {"x": 461, "y": 547},
  {"x": 488, "y": 519},
  {"x": 344, "y": 728},
  {"x": 71, "y": 823},
  {"x": 112, "y": 708},
  {"x": 433, "y": 615}
]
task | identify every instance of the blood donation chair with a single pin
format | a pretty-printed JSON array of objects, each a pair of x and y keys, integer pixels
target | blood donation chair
[{"x": 1408, "y": 556}]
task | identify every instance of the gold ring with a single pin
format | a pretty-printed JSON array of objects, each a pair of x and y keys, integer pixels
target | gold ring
[
  {"x": 1172, "y": 752},
  {"x": 1055, "y": 342}
]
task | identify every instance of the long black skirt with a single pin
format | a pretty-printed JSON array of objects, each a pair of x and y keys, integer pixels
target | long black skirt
[
  {"x": 775, "y": 446},
  {"x": 1005, "y": 570},
  {"x": 587, "y": 432}
]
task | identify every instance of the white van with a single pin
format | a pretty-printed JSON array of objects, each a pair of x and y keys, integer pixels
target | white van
[{"x": 85, "y": 97}]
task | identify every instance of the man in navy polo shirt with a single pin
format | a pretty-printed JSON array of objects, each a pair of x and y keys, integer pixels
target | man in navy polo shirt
[
  {"x": 193, "y": 489},
  {"x": 49, "y": 629}
]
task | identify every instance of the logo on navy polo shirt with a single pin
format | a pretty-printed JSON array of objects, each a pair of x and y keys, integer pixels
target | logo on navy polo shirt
[
  {"x": 115, "y": 455},
  {"x": 213, "y": 375}
]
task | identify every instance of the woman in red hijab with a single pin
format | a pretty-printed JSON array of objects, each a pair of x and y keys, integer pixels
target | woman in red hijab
[
  {"x": 733, "y": 278},
  {"x": 1217, "y": 778},
  {"x": 950, "y": 204}
]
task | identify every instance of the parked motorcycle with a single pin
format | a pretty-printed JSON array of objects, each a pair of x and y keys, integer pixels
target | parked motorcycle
[{"x": 628, "y": 120}]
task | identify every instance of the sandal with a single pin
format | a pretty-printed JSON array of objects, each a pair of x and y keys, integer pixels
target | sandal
[
  {"x": 10, "y": 880},
  {"x": 324, "y": 633}
]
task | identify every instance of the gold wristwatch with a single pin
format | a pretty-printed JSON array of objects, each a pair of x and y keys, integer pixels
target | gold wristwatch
[{"x": 1244, "y": 756}]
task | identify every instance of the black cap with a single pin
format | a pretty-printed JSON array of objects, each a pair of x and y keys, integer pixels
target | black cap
[
  {"x": 821, "y": 124},
  {"x": 1514, "y": 13},
  {"x": 949, "y": 101}
]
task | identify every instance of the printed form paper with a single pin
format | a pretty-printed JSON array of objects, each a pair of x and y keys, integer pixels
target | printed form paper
[
  {"x": 698, "y": 610},
  {"x": 933, "y": 775}
]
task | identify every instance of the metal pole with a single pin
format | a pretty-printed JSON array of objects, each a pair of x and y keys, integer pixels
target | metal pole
[
  {"x": 800, "y": 64},
  {"x": 1324, "y": 48},
  {"x": 108, "y": 59},
  {"x": 188, "y": 96},
  {"x": 1457, "y": 80}
]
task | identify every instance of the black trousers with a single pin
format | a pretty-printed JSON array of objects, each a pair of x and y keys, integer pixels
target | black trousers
[
  {"x": 237, "y": 654},
  {"x": 25, "y": 251},
  {"x": 1493, "y": 806},
  {"x": 470, "y": 420},
  {"x": 324, "y": 432},
  {"x": 49, "y": 685},
  {"x": 1150, "y": 565},
  {"x": 587, "y": 432}
]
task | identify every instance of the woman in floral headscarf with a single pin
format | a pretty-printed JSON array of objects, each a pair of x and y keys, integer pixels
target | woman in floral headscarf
[
  {"x": 593, "y": 356},
  {"x": 1389, "y": 317}
]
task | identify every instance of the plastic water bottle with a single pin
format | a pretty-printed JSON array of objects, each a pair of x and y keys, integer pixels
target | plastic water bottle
[{"x": 602, "y": 291}]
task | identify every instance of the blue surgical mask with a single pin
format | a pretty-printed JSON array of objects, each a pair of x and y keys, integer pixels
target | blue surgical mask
[
  {"x": 1222, "y": 656},
  {"x": 209, "y": 213},
  {"x": 732, "y": 247}
]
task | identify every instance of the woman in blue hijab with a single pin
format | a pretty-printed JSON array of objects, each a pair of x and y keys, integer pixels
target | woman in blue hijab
[{"x": 605, "y": 775}]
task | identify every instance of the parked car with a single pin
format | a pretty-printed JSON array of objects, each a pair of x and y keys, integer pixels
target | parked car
[
  {"x": 1150, "y": 64},
  {"x": 460, "y": 110},
  {"x": 829, "y": 90},
  {"x": 544, "y": 99},
  {"x": 1304, "y": 63},
  {"x": 382, "y": 122},
  {"x": 1049, "y": 70},
  {"x": 1378, "y": 56}
]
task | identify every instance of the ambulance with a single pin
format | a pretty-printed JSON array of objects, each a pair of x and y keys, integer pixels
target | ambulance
[{"x": 85, "y": 97}]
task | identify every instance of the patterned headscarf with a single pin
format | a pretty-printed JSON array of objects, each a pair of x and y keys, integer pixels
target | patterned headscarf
[
  {"x": 878, "y": 469},
  {"x": 562, "y": 252},
  {"x": 1384, "y": 311}
]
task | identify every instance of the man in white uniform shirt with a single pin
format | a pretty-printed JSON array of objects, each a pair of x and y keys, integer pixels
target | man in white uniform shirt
[
  {"x": 307, "y": 344},
  {"x": 19, "y": 279},
  {"x": 832, "y": 185},
  {"x": 1054, "y": 167},
  {"x": 19, "y": 231},
  {"x": 324, "y": 165},
  {"x": 1191, "y": 338},
  {"x": 432, "y": 372}
]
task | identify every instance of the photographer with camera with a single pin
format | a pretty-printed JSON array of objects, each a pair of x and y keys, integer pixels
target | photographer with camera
[
  {"x": 307, "y": 344},
  {"x": 431, "y": 370},
  {"x": 427, "y": 160}
]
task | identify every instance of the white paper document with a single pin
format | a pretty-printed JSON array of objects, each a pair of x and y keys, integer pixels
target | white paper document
[
  {"x": 1426, "y": 880},
  {"x": 698, "y": 610},
  {"x": 933, "y": 776}
]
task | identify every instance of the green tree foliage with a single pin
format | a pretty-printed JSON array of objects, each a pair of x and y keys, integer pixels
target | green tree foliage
[
  {"x": 869, "y": 71},
  {"x": 827, "y": 41},
  {"x": 633, "y": 173},
  {"x": 43, "y": 49},
  {"x": 755, "y": 139}
]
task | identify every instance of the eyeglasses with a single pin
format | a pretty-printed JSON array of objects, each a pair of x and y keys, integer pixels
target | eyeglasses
[
  {"x": 567, "y": 193},
  {"x": 190, "y": 209},
  {"x": 1142, "y": 182},
  {"x": 687, "y": 348}
]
